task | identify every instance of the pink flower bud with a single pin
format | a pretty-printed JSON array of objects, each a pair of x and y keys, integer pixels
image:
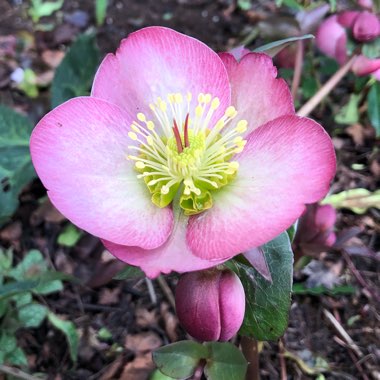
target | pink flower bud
[
  {"x": 364, "y": 66},
  {"x": 210, "y": 304},
  {"x": 366, "y": 27}
]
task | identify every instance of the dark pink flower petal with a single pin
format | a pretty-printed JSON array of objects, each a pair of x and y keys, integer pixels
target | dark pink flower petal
[
  {"x": 341, "y": 49},
  {"x": 154, "y": 62},
  {"x": 325, "y": 217},
  {"x": 256, "y": 258},
  {"x": 366, "y": 27},
  {"x": 257, "y": 94},
  {"x": 173, "y": 255},
  {"x": 347, "y": 18},
  {"x": 79, "y": 152},
  {"x": 364, "y": 66},
  {"x": 287, "y": 163},
  {"x": 328, "y": 35}
]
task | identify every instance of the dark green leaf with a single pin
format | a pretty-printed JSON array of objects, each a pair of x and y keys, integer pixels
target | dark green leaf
[
  {"x": 32, "y": 315},
  {"x": 374, "y": 106},
  {"x": 320, "y": 290},
  {"x": 180, "y": 359},
  {"x": 17, "y": 357},
  {"x": 275, "y": 47},
  {"x": 13, "y": 288},
  {"x": 69, "y": 236},
  {"x": 75, "y": 73},
  {"x": 267, "y": 304},
  {"x": 68, "y": 329},
  {"x": 16, "y": 168},
  {"x": 372, "y": 49},
  {"x": 129, "y": 272},
  {"x": 225, "y": 362}
]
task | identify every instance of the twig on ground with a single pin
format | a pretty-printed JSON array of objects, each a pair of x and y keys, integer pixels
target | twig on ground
[
  {"x": 17, "y": 373},
  {"x": 284, "y": 375},
  {"x": 166, "y": 290},
  {"x": 309, "y": 106},
  {"x": 250, "y": 349},
  {"x": 152, "y": 293}
]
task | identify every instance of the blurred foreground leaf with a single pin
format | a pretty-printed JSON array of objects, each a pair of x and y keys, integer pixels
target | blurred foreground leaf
[
  {"x": 16, "y": 168},
  {"x": 356, "y": 200},
  {"x": 267, "y": 303},
  {"x": 100, "y": 11},
  {"x": 349, "y": 114},
  {"x": 74, "y": 75},
  {"x": 68, "y": 329},
  {"x": 374, "y": 106},
  {"x": 69, "y": 236},
  {"x": 39, "y": 8},
  {"x": 129, "y": 272},
  {"x": 275, "y": 47}
]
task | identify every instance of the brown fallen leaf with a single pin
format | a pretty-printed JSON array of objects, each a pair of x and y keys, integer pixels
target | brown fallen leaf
[
  {"x": 138, "y": 369},
  {"x": 170, "y": 322},
  {"x": 146, "y": 318},
  {"x": 12, "y": 232},
  {"x": 46, "y": 212},
  {"x": 143, "y": 342},
  {"x": 109, "y": 296},
  {"x": 52, "y": 57}
]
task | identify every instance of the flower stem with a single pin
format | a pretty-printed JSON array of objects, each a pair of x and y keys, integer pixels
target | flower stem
[
  {"x": 251, "y": 352},
  {"x": 309, "y": 106}
]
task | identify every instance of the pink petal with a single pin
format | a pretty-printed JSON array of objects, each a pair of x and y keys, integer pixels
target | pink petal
[
  {"x": 286, "y": 164},
  {"x": 347, "y": 18},
  {"x": 174, "y": 255},
  {"x": 239, "y": 52},
  {"x": 257, "y": 259},
  {"x": 364, "y": 66},
  {"x": 79, "y": 153},
  {"x": 156, "y": 61},
  {"x": 256, "y": 92},
  {"x": 341, "y": 49},
  {"x": 325, "y": 217},
  {"x": 328, "y": 35},
  {"x": 366, "y": 27},
  {"x": 376, "y": 74}
]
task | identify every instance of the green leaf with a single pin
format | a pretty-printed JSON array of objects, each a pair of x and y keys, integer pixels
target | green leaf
[
  {"x": 17, "y": 357},
  {"x": 29, "y": 84},
  {"x": 157, "y": 375},
  {"x": 356, "y": 200},
  {"x": 372, "y": 49},
  {"x": 267, "y": 304},
  {"x": 321, "y": 290},
  {"x": 16, "y": 168},
  {"x": 129, "y": 272},
  {"x": 68, "y": 329},
  {"x": 225, "y": 362},
  {"x": 69, "y": 236},
  {"x": 100, "y": 11},
  {"x": 32, "y": 265},
  {"x": 374, "y": 106},
  {"x": 244, "y": 5},
  {"x": 180, "y": 359},
  {"x": 32, "y": 315},
  {"x": 13, "y": 288},
  {"x": 75, "y": 74},
  {"x": 6, "y": 260},
  {"x": 22, "y": 299},
  {"x": 349, "y": 114},
  {"x": 8, "y": 342},
  {"x": 275, "y": 47},
  {"x": 41, "y": 8}
]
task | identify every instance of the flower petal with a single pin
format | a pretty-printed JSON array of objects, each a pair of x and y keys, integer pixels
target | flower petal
[
  {"x": 256, "y": 92},
  {"x": 328, "y": 35},
  {"x": 286, "y": 164},
  {"x": 79, "y": 153},
  {"x": 174, "y": 255},
  {"x": 156, "y": 61},
  {"x": 364, "y": 66}
]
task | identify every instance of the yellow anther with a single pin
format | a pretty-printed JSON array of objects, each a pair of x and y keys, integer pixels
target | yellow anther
[
  {"x": 230, "y": 111},
  {"x": 189, "y": 96},
  {"x": 198, "y": 110},
  {"x": 201, "y": 97},
  {"x": 140, "y": 165},
  {"x": 234, "y": 165},
  {"x": 152, "y": 182},
  {"x": 241, "y": 126},
  {"x": 135, "y": 128},
  {"x": 214, "y": 184},
  {"x": 178, "y": 98},
  {"x": 162, "y": 106},
  {"x": 207, "y": 98},
  {"x": 150, "y": 125},
  {"x": 164, "y": 189},
  {"x": 188, "y": 182},
  {"x": 219, "y": 125},
  {"x": 149, "y": 140},
  {"x": 237, "y": 140},
  {"x": 131, "y": 157},
  {"x": 171, "y": 98},
  {"x": 141, "y": 116},
  {"x": 132, "y": 135},
  {"x": 215, "y": 103},
  {"x": 152, "y": 106}
]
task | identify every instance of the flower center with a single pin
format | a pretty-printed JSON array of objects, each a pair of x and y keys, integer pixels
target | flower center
[{"x": 179, "y": 154}]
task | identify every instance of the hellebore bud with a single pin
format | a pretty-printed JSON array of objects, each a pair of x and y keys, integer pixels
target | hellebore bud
[
  {"x": 210, "y": 304},
  {"x": 366, "y": 27}
]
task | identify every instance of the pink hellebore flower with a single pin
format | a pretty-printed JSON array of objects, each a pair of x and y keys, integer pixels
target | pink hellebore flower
[
  {"x": 181, "y": 159},
  {"x": 332, "y": 38},
  {"x": 210, "y": 304}
]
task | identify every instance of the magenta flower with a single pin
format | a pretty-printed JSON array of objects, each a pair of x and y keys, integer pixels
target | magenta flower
[
  {"x": 180, "y": 158},
  {"x": 333, "y": 34},
  {"x": 210, "y": 304}
]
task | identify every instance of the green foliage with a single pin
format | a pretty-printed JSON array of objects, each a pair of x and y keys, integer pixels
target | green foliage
[
  {"x": 374, "y": 106},
  {"x": 100, "y": 11},
  {"x": 18, "y": 308},
  {"x": 39, "y": 8},
  {"x": 16, "y": 168},
  {"x": 129, "y": 272},
  {"x": 322, "y": 290},
  {"x": 267, "y": 303},
  {"x": 69, "y": 236},
  {"x": 29, "y": 84},
  {"x": 75, "y": 74},
  {"x": 68, "y": 329},
  {"x": 349, "y": 114},
  {"x": 275, "y": 47},
  {"x": 372, "y": 49},
  {"x": 179, "y": 360}
]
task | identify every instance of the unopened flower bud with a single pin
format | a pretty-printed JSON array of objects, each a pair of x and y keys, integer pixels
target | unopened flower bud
[
  {"x": 366, "y": 27},
  {"x": 210, "y": 304}
]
